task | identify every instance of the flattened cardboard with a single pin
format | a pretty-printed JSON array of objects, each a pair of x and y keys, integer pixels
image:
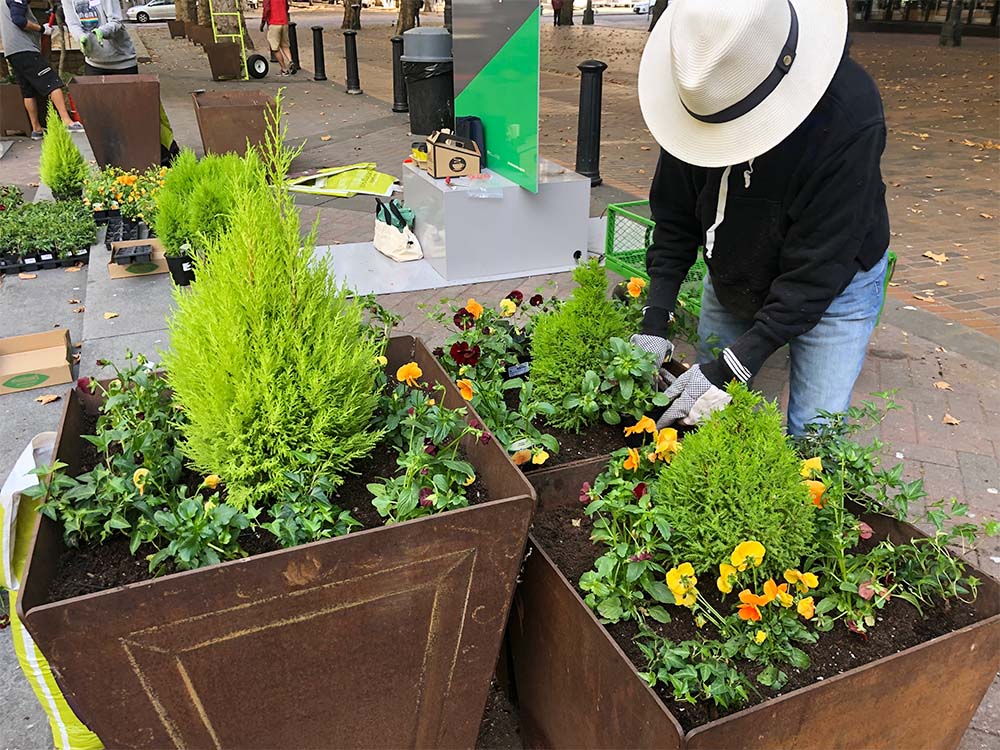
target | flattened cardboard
[
  {"x": 35, "y": 360},
  {"x": 451, "y": 156},
  {"x": 157, "y": 262}
]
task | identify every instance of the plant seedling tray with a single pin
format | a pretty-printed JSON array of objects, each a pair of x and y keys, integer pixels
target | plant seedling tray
[{"x": 134, "y": 254}]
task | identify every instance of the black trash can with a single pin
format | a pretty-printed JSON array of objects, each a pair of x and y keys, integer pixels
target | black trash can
[{"x": 430, "y": 84}]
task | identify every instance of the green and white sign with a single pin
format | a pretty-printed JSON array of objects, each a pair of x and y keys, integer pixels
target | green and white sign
[{"x": 496, "y": 79}]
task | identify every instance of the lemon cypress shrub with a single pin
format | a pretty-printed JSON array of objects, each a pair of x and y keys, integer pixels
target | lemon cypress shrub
[
  {"x": 569, "y": 341},
  {"x": 737, "y": 479},
  {"x": 272, "y": 362},
  {"x": 172, "y": 225},
  {"x": 61, "y": 165}
]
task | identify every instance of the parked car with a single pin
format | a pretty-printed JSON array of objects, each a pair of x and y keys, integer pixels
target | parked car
[
  {"x": 641, "y": 8},
  {"x": 154, "y": 10}
]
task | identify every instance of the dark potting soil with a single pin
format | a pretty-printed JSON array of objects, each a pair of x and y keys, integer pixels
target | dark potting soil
[
  {"x": 85, "y": 570},
  {"x": 501, "y": 725},
  {"x": 564, "y": 534}
]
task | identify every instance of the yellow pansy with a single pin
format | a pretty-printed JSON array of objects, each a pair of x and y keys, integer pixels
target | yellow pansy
[
  {"x": 643, "y": 425},
  {"x": 681, "y": 580},
  {"x": 507, "y": 308},
  {"x": 727, "y": 576},
  {"x": 811, "y": 465},
  {"x": 747, "y": 554},
  {"x": 212, "y": 481},
  {"x": 802, "y": 581},
  {"x": 806, "y": 608},
  {"x": 540, "y": 457},
  {"x": 760, "y": 637},
  {"x": 139, "y": 479},
  {"x": 409, "y": 373}
]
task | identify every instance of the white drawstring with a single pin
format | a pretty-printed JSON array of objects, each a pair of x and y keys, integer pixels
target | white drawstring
[
  {"x": 746, "y": 175},
  {"x": 720, "y": 212}
]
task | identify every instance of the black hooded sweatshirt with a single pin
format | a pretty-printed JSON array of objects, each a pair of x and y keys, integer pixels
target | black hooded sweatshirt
[{"x": 796, "y": 224}]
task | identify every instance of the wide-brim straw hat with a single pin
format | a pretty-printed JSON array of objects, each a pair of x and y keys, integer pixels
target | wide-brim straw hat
[{"x": 724, "y": 81}]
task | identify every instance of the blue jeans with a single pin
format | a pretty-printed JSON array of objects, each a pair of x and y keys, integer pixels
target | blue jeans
[{"x": 825, "y": 360}]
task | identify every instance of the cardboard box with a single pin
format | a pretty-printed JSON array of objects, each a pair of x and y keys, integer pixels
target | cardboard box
[
  {"x": 451, "y": 156},
  {"x": 35, "y": 360},
  {"x": 156, "y": 264}
]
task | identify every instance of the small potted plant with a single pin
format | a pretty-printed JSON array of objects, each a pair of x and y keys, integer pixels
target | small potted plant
[{"x": 61, "y": 165}]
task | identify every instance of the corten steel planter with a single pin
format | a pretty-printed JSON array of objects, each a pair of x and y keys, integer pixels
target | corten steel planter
[
  {"x": 381, "y": 638},
  {"x": 122, "y": 118},
  {"x": 176, "y": 29},
  {"x": 564, "y": 480},
  {"x": 225, "y": 60},
  {"x": 13, "y": 117},
  {"x": 577, "y": 689},
  {"x": 228, "y": 119}
]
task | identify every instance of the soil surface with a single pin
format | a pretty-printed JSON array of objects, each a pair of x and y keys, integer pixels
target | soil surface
[
  {"x": 501, "y": 724},
  {"x": 85, "y": 570},
  {"x": 564, "y": 533}
]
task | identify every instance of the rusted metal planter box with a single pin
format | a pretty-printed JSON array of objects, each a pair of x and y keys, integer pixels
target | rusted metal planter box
[
  {"x": 122, "y": 118},
  {"x": 13, "y": 117},
  {"x": 225, "y": 60},
  {"x": 381, "y": 638},
  {"x": 577, "y": 689},
  {"x": 228, "y": 119},
  {"x": 176, "y": 29}
]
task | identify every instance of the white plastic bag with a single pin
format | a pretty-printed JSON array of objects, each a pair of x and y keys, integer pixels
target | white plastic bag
[{"x": 14, "y": 535}]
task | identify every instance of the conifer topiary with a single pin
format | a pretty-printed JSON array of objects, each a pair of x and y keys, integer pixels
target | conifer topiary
[
  {"x": 61, "y": 165},
  {"x": 737, "y": 479},
  {"x": 270, "y": 360},
  {"x": 568, "y": 341}
]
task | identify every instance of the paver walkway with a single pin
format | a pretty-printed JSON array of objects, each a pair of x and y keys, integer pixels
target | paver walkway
[{"x": 912, "y": 350}]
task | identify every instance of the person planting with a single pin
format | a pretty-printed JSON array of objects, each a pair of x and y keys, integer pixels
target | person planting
[{"x": 771, "y": 143}]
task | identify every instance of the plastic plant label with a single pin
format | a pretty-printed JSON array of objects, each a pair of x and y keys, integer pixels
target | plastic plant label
[
  {"x": 29, "y": 261},
  {"x": 45, "y": 256},
  {"x": 520, "y": 445},
  {"x": 516, "y": 371}
]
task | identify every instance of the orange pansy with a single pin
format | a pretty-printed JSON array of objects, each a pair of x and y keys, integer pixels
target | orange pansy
[
  {"x": 465, "y": 388},
  {"x": 632, "y": 462}
]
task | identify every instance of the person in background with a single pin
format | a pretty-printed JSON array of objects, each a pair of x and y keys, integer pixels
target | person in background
[
  {"x": 108, "y": 51},
  {"x": 97, "y": 26},
  {"x": 275, "y": 19},
  {"x": 556, "y": 9},
  {"x": 21, "y": 35}
]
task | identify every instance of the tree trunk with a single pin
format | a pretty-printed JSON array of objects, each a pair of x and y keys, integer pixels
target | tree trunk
[
  {"x": 951, "y": 32},
  {"x": 204, "y": 17},
  {"x": 352, "y": 15},
  {"x": 407, "y": 17},
  {"x": 566, "y": 13},
  {"x": 655, "y": 12},
  {"x": 186, "y": 11}
]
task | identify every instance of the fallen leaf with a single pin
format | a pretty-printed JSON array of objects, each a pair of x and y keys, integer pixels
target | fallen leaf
[
  {"x": 27, "y": 276},
  {"x": 981, "y": 277},
  {"x": 938, "y": 258},
  {"x": 325, "y": 137},
  {"x": 922, "y": 298},
  {"x": 78, "y": 345},
  {"x": 948, "y": 419},
  {"x": 110, "y": 315},
  {"x": 74, "y": 301},
  {"x": 644, "y": 148},
  {"x": 941, "y": 283},
  {"x": 943, "y": 386},
  {"x": 48, "y": 398},
  {"x": 893, "y": 283},
  {"x": 987, "y": 216},
  {"x": 72, "y": 269},
  {"x": 79, "y": 309},
  {"x": 576, "y": 521},
  {"x": 76, "y": 359}
]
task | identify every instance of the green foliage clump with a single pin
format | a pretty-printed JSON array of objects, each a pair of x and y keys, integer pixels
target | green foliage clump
[
  {"x": 272, "y": 363},
  {"x": 737, "y": 479},
  {"x": 10, "y": 197},
  {"x": 570, "y": 340},
  {"x": 58, "y": 227},
  {"x": 61, "y": 164},
  {"x": 196, "y": 203}
]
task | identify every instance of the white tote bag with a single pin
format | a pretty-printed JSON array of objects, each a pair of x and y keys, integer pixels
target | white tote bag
[{"x": 393, "y": 236}]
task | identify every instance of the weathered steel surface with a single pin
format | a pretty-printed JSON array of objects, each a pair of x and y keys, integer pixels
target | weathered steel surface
[
  {"x": 176, "y": 29},
  {"x": 122, "y": 118},
  {"x": 13, "y": 117},
  {"x": 576, "y": 689},
  {"x": 228, "y": 119},
  {"x": 382, "y": 638},
  {"x": 225, "y": 61}
]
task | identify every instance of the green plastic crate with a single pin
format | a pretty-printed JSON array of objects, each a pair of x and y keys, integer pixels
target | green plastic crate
[{"x": 630, "y": 232}]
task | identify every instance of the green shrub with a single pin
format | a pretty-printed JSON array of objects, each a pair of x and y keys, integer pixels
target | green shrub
[
  {"x": 569, "y": 341},
  {"x": 737, "y": 479},
  {"x": 272, "y": 363},
  {"x": 61, "y": 164},
  {"x": 196, "y": 202},
  {"x": 10, "y": 197}
]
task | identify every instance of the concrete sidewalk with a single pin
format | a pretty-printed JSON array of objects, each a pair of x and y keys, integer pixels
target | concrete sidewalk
[{"x": 917, "y": 344}]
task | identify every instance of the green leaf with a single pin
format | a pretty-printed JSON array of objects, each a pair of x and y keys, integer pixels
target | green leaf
[
  {"x": 611, "y": 417},
  {"x": 659, "y": 591},
  {"x": 798, "y": 658},
  {"x": 610, "y": 609},
  {"x": 658, "y": 613}
]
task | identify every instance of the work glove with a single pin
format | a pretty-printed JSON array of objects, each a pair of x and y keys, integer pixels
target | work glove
[
  {"x": 694, "y": 398},
  {"x": 658, "y": 346},
  {"x": 47, "y": 29}
]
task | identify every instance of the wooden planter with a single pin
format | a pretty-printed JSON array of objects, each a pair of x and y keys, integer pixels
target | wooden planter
[
  {"x": 225, "y": 60},
  {"x": 576, "y": 688},
  {"x": 382, "y": 638},
  {"x": 122, "y": 118},
  {"x": 13, "y": 117},
  {"x": 227, "y": 120}
]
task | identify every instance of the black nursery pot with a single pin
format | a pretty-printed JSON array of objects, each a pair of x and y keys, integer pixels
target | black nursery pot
[
  {"x": 10, "y": 264},
  {"x": 139, "y": 254},
  {"x": 181, "y": 269},
  {"x": 49, "y": 259},
  {"x": 76, "y": 256}
]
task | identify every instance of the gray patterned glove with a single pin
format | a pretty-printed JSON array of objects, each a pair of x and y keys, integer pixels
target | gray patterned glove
[
  {"x": 694, "y": 398},
  {"x": 659, "y": 347}
]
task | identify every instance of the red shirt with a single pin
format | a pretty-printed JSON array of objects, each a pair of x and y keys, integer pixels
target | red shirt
[{"x": 275, "y": 12}]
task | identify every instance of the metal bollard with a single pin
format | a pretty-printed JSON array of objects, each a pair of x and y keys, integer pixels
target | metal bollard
[
  {"x": 399, "y": 102},
  {"x": 319, "y": 61},
  {"x": 293, "y": 43},
  {"x": 351, "y": 53},
  {"x": 588, "y": 136}
]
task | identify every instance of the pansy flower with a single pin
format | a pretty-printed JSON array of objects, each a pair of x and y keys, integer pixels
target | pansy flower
[
  {"x": 747, "y": 554},
  {"x": 409, "y": 373}
]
